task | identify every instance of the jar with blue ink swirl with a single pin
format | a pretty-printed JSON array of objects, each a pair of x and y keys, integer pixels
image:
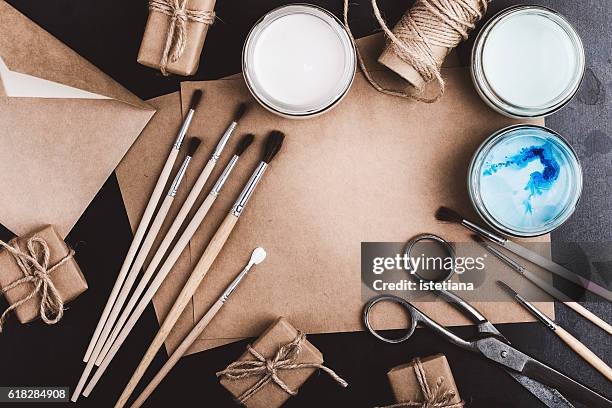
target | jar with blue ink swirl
[{"x": 525, "y": 180}]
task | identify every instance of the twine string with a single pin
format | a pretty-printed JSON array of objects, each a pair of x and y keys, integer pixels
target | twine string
[
  {"x": 34, "y": 264},
  {"x": 176, "y": 34},
  {"x": 436, "y": 397},
  {"x": 267, "y": 369},
  {"x": 428, "y": 24}
]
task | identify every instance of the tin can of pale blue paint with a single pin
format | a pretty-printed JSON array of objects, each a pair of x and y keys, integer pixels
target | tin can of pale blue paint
[{"x": 525, "y": 180}]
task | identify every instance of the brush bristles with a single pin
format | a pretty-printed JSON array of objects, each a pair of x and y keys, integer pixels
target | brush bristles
[
  {"x": 194, "y": 143},
  {"x": 447, "y": 215},
  {"x": 507, "y": 288},
  {"x": 195, "y": 99},
  {"x": 241, "y": 111},
  {"x": 244, "y": 143},
  {"x": 479, "y": 239},
  {"x": 273, "y": 145}
]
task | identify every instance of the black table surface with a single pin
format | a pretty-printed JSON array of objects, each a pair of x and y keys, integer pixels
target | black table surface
[{"x": 108, "y": 34}]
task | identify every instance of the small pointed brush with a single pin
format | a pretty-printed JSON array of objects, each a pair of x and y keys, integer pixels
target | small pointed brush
[
  {"x": 572, "y": 342},
  {"x": 448, "y": 215},
  {"x": 241, "y": 110},
  {"x": 545, "y": 286},
  {"x": 273, "y": 146}
]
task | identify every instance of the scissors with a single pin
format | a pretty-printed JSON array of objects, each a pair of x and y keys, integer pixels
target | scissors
[{"x": 541, "y": 380}]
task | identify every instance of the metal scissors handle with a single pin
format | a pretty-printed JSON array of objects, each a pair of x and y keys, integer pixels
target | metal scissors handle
[{"x": 416, "y": 317}]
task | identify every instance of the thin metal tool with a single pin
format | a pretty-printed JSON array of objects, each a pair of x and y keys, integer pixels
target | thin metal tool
[
  {"x": 578, "y": 347},
  {"x": 548, "y": 288},
  {"x": 447, "y": 215}
]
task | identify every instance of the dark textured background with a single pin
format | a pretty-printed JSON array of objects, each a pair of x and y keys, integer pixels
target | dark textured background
[{"x": 108, "y": 34}]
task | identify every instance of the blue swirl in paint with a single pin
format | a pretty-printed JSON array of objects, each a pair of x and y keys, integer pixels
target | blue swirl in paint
[{"x": 539, "y": 181}]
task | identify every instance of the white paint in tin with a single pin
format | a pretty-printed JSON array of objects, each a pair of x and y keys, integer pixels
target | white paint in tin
[
  {"x": 529, "y": 60},
  {"x": 299, "y": 60}
]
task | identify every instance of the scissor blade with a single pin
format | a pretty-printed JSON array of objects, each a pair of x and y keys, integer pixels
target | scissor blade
[
  {"x": 509, "y": 357},
  {"x": 571, "y": 388},
  {"x": 549, "y": 396}
]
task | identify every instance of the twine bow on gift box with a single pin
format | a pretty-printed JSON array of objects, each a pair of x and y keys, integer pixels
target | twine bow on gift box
[
  {"x": 176, "y": 35},
  {"x": 267, "y": 370},
  {"x": 436, "y": 397},
  {"x": 36, "y": 271}
]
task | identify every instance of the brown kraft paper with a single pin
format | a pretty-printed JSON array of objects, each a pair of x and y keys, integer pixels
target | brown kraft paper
[
  {"x": 57, "y": 152},
  {"x": 68, "y": 278},
  {"x": 375, "y": 168},
  {"x": 155, "y": 35}
]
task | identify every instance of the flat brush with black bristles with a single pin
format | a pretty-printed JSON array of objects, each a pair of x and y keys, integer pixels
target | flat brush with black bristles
[
  {"x": 124, "y": 326},
  {"x": 142, "y": 227},
  {"x": 273, "y": 146},
  {"x": 448, "y": 215}
]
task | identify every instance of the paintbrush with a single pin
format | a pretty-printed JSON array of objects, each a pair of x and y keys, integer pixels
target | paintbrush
[
  {"x": 174, "y": 228},
  {"x": 134, "y": 271},
  {"x": 579, "y": 348},
  {"x": 257, "y": 257},
  {"x": 448, "y": 215},
  {"x": 273, "y": 145},
  {"x": 188, "y": 233},
  {"x": 545, "y": 286},
  {"x": 121, "y": 332},
  {"x": 144, "y": 221},
  {"x": 145, "y": 248}
]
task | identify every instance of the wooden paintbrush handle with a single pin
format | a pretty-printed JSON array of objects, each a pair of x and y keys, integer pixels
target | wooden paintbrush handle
[
  {"x": 161, "y": 251},
  {"x": 200, "y": 270},
  {"x": 587, "y": 314},
  {"x": 133, "y": 274},
  {"x": 198, "y": 218},
  {"x": 584, "y": 352},
  {"x": 178, "y": 353},
  {"x": 138, "y": 236}
]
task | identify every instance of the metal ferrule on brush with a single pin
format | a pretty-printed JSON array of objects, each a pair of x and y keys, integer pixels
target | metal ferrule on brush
[
  {"x": 221, "y": 145},
  {"x": 505, "y": 259},
  {"x": 539, "y": 315},
  {"x": 230, "y": 289},
  {"x": 224, "y": 176},
  {"x": 179, "y": 177},
  {"x": 248, "y": 189},
  {"x": 483, "y": 232},
  {"x": 184, "y": 128}
]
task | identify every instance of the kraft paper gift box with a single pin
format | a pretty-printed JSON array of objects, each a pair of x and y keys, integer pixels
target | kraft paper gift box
[
  {"x": 65, "y": 125},
  {"x": 406, "y": 387},
  {"x": 159, "y": 27},
  {"x": 271, "y": 395},
  {"x": 67, "y": 278}
]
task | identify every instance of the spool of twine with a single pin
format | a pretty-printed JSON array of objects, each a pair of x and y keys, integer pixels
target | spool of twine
[{"x": 421, "y": 40}]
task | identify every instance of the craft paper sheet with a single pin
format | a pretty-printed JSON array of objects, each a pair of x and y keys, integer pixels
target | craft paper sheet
[
  {"x": 374, "y": 169},
  {"x": 65, "y": 125}
]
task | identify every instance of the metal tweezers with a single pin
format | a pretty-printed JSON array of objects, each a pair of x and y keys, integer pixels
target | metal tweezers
[{"x": 543, "y": 381}]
